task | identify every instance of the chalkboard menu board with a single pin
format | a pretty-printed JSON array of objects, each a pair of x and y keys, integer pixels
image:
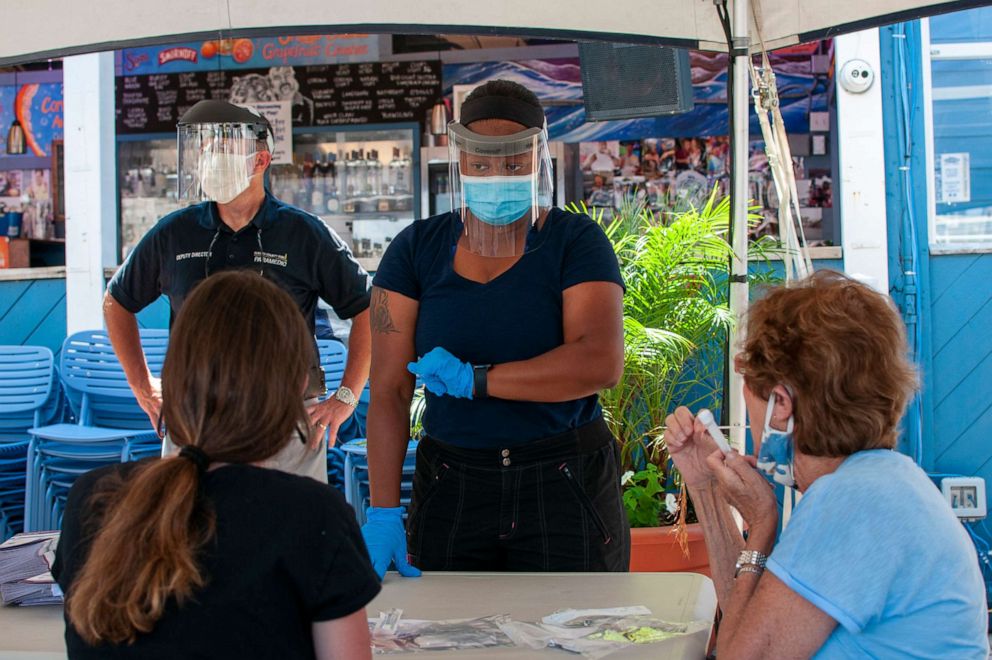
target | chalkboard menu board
[{"x": 325, "y": 95}]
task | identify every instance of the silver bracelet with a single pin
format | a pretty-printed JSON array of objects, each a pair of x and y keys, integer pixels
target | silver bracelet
[{"x": 750, "y": 568}]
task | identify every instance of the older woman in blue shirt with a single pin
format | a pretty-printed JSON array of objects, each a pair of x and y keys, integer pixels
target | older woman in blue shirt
[{"x": 872, "y": 563}]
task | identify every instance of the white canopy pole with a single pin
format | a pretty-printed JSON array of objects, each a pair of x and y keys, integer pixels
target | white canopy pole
[{"x": 739, "y": 206}]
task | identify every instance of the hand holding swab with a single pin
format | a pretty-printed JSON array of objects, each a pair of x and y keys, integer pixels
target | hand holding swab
[{"x": 706, "y": 417}]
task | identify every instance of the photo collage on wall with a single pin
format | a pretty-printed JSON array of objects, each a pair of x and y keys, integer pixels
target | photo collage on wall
[
  {"x": 662, "y": 173},
  {"x": 671, "y": 174},
  {"x": 814, "y": 187},
  {"x": 28, "y": 192}
]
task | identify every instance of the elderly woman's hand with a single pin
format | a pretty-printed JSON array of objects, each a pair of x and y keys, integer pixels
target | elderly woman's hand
[
  {"x": 746, "y": 490},
  {"x": 689, "y": 444}
]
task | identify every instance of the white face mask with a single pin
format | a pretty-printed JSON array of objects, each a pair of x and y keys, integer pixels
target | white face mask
[{"x": 225, "y": 176}]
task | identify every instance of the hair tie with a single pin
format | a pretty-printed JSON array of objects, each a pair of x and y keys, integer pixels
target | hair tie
[{"x": 196, "y": 456}]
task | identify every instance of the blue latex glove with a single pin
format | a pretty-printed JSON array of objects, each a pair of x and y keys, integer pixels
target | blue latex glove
[
  {"x": 385, "y": 539},
  {"x": 443, "y": 373}
]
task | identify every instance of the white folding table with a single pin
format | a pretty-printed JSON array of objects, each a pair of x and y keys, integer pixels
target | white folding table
[{"x": 35, "y": 633}]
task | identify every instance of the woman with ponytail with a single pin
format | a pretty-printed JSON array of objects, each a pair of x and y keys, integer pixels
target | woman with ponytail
[{"x": 205, "y": 554}]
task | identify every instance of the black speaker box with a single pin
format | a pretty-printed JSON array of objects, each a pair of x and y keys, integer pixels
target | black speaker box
[{"x": 624, "y": 81}]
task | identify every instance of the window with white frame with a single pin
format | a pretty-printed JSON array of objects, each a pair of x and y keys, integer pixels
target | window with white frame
[{"x": 957, "y": 73}]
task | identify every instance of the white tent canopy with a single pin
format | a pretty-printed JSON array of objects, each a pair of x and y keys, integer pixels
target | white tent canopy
[{"x": 41, "y": 29}]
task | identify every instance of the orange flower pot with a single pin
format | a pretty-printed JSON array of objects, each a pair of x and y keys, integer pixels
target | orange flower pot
[{"x": 657, "y": 550}]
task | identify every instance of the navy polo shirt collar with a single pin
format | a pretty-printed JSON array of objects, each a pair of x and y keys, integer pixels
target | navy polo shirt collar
[{"x": 210, "y": 219}]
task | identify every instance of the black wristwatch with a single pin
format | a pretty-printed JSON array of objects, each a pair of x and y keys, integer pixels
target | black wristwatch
[{"x": 480, "y": 375}]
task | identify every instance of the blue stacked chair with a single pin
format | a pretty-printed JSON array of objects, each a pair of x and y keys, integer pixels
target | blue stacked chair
[
  {"x": 28, "y": 397},
  {"x": 361, "y": 415},
  {"x": 111, "y": 425},
  {"x": 333, "y": 356},
  {"x": 335, "y": 468},
  {"x": 356, "y": 476}
]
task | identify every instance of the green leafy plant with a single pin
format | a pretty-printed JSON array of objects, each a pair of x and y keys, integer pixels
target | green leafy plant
[
  {"x": 675, "y": 266},
  {"x": 641, "y": 496}
]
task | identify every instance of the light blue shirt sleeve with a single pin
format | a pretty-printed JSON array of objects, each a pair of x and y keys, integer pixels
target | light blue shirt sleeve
[{"x": 829, "y": 552}]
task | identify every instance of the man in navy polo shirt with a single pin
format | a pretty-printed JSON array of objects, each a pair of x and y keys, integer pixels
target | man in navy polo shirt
[{"x": 224, "y": 151}]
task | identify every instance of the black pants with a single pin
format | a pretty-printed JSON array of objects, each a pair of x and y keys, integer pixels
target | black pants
[{"x": 549, "y": 505}]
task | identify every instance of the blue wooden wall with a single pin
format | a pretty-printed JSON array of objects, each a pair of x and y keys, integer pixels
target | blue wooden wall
[
  {"x": 960, "y": 387},
  {"x": 33, "y": 312},
  {"x": 947, "y": 296},
  {"x": 155, "y": 315}
]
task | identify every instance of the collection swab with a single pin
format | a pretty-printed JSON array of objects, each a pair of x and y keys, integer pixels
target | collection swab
[{"x": 706, "y": 417}]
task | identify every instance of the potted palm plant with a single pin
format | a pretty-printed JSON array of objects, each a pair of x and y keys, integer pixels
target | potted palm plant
[{"x": 676, "y": 318}]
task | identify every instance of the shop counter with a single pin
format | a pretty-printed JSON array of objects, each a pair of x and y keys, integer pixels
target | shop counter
[{"x": 36, "y": 633}]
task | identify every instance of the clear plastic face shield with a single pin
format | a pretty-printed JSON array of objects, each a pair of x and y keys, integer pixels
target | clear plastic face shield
[
  {"x": 218, "y": 160},
  {"x": 501, "y": 186}
]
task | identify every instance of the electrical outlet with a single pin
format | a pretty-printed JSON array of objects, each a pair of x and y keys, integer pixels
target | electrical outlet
[{"x": 966, "y": 495}]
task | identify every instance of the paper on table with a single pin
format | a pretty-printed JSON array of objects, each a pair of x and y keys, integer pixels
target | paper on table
[
  {"x": 25, "y": 569},
  {"x": 27, "y": 538},
  {"x": 29, "y": 593},
  {"x": 43, "y": 578}
]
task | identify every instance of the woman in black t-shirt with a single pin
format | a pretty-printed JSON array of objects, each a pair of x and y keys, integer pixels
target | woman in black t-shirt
[
  {"x": 510, "y": 311},
  {"x": 204, "y": 554}
]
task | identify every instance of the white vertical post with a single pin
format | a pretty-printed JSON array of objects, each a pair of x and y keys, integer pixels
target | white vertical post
[
  {"x": 90, "y": 185},
  {"x": 738, "y": 287},
  {"x": 861, "y": 154}
]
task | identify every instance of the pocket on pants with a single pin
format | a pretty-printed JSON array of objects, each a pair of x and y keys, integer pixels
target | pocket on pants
[
  {"x": 585, "y": 501},
  {"x": 420, "y": 501}
]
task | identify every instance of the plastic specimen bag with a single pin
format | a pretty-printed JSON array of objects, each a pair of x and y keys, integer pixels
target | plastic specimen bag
[
  {"x": 393, "y": 634},
  {"x": 597, "y": 633}
]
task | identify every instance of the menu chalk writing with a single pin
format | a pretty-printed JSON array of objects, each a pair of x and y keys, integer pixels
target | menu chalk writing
[{"x": 322, "y": 95}]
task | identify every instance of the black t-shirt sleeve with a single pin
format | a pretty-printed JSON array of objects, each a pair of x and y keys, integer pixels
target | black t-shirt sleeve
[
  {"x": 137, "y": 283},
  {"x": 338, "y": 579},
  {"x": 589, "y": 256},
  {"x": 396, "y": 271},
  {"x": 343, "y": 283}
]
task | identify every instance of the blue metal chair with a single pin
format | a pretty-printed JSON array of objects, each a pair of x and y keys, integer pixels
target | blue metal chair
[
  {"x": 111, "y": 425},
  {"x": 333, "y": 356},
  {"x": 361, "y": 416},
  {"x": 94, "y": 381},
  {"x": 28, "y": 397},
  {"x": 356, "y": 476},
  {"x": 335, "y": 468}
]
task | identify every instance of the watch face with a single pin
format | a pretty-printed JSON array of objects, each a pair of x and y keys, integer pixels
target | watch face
[{"x": 345, "y": 395}]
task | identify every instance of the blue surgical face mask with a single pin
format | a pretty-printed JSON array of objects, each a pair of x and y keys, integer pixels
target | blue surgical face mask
[
  {"x": 777, "y": 454},
  {"x": 498, "y": 200}
]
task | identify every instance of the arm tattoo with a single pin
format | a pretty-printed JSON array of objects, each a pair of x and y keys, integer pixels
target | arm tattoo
[{"x": 379, "y": 317}]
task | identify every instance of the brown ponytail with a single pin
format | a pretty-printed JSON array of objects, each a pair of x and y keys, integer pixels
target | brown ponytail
[
  {"x": 144, "y": 554},
  {"x": 232, "y": 387}
]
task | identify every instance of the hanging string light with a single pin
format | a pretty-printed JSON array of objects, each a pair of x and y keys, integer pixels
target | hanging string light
[{"x": 15, "y": 135}]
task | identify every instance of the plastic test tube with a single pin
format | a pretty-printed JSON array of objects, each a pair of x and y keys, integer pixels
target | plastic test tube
[{"x": 706, "y": 417}]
